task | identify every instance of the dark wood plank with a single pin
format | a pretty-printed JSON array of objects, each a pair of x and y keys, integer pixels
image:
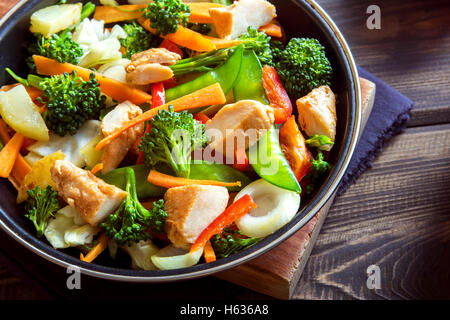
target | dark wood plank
[
  {"x": 396, "y": 216},
  {"x": 411, "y": 51}
]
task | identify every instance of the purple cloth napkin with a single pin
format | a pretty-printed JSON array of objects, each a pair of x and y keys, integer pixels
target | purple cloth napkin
[{"x": 388, "y": 118}]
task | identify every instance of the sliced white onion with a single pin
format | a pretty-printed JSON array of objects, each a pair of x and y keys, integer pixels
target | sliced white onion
[
  {"x": 275, "y": 208},
  {"x": 171, "y": 257}
]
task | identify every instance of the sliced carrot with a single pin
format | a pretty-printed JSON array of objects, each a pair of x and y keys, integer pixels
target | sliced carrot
[
  {"x": 4, "y": 134},
  {"x": 166, "y": 181},
  {"x": 110, "y": 14},
  {"x": 97, "y": 168},
  {"x": 200, "y": 11},
  {"x": 184, "y": 37},
  {"x": 273, "y": 30},
  {"x": 95, "y": 252},
  {"x": 21, "y": 167},
  {"x": 208, "y": 252},
  {"x": 201, "y": 98},
  {"x": 223, "y": 43},
  {"x": 8, "y": 154},
  {"x": 113, "y": 88}
]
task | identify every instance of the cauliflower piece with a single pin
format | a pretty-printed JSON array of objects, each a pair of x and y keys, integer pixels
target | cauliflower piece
[
  {"x": 141, "y": 254},
  {"x": 317, "y": 113},
  {"x": 67, "y": 229},
  {"x": 69, "y": 145}
]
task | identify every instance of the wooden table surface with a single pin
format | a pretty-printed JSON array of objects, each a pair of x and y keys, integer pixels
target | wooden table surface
[{"x": 397, "y": 215}]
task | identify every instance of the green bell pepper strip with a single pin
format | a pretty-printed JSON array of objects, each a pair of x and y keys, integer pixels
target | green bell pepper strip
[
  {"x": 266, "y": 156},
  {"x": 225, "y": 75},
  {"x": 203, "y": 170}
]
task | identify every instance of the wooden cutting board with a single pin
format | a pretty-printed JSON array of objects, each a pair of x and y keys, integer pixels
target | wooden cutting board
[{"x": 277, "y": 272}]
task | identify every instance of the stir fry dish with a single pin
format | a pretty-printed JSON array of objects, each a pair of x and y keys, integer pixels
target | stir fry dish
[{"x": 164, "y": 131}]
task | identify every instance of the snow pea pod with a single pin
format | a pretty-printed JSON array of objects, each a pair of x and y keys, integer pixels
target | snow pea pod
[
  {"x": 226, "y": 75},
  {"x": 203, "y": 170},
  {"x": 266, "y": 157}
]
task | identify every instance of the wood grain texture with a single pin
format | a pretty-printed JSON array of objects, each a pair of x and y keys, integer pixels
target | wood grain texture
[
  {"x": 396, "y": 216},
  {"x": 411, "y": 51}
]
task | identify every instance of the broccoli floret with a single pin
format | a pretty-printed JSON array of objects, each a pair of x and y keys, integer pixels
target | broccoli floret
[
  {"x": 260, "y": 43},
  {"x": 41, "y": 205},
  {"x": 172, "y": 137},
  {"x": 319, "y": 140},
  {"x": 70, "y": 102},
  {"x": 230, "y": 242},
  {"x": 319, "y": 170},
  {"x": 59, "y": 46},
  {"x": 166, "y": 15},
  {"x": 254, "y": 40},
  {"x": 302, "y": 66},
  {"x": 138, "y": 39},
  {"x": 131, "y": 222}
]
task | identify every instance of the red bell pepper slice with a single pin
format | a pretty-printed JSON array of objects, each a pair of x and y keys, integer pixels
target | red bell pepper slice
[
  {"x": 277, "y": 95},
  {"x": 158, "y": 99},
  {"x": 158, "y": 94},
  {"x": 201, "y": 117},
  {"x": 240, "y": 160},
  {"x": 236, "y": 210},
  {"x": 172, "y": 47},
  {"x": 294, "y": 149}
]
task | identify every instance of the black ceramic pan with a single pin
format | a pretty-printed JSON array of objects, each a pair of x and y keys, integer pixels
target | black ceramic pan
[{"x": 300, "y": 19}]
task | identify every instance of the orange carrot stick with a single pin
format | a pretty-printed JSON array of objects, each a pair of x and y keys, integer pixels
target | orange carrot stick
[
  {"x": 223, "y": 43},
  {"x": 110, "y": 14},
  {"x": 95, "y": 252},
  {"x": 97, "y": 168},
  {"x": 201, "y": 98},
  {"x": 184, "y": 37},
  {"x": 200, "y": 11},
  {"x": 273, "y": 30},
  {"x": 113, "y": 88},
  {"x": 8, "y": 154},
  {"x": 21, "y": 166},
  {"x": 4, "y": 134},
  {"x": 208, "y": 252},
  {"x": 166, "y": 181}
]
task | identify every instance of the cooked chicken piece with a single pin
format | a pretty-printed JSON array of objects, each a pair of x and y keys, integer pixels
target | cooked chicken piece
[
  {"x": 115, "y": 151},
  {"x": 190, "y": 210},
  {"x": 155, "y": 55},
  {"x": 233, "y": 21},
  {"x": 238, "y": 125},
  {"x": 151, "y": 66},
  {"x": 317, "y": 113},
  {"x": 91, "y": 196},
  {"x": 149, "y": 73}
]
